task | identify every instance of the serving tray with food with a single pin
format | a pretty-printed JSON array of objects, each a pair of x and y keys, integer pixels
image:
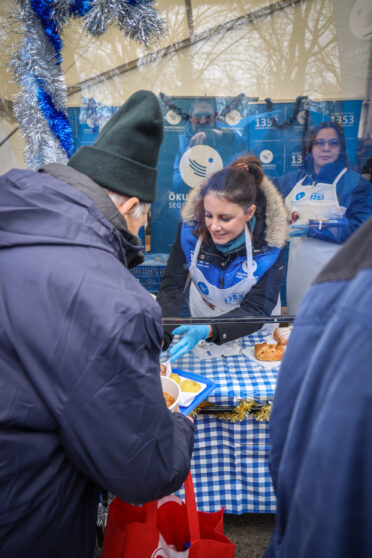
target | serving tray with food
[{"x": 193, "y": 388}]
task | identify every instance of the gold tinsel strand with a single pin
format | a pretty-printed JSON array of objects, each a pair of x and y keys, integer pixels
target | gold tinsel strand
[{"x": 240, "y": 412}]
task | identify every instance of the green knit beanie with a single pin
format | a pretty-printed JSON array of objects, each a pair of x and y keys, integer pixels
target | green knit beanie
[{"x": 125, "y": 154}]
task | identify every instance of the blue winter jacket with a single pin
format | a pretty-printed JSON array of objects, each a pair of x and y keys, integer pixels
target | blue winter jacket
[
  {"x": 81, "y": 403},
  {"x": 321, "y": 421},
  {"x": 354, "y": 193},
  {"x": 224, "y": 269}
]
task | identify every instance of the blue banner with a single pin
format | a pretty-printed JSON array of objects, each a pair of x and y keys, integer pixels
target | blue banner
[{"x": 203, "y": 135}]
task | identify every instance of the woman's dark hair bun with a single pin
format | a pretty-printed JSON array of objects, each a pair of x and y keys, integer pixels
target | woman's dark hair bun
[{"x": 250, "y": 164}]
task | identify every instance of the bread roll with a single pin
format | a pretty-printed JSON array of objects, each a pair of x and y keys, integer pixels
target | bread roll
[
  {"x": 268, "y": 351},
  {"x": 281, "y": 334}
]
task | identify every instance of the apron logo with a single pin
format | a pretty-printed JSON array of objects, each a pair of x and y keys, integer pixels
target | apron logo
[
  {"x": 317, "y": 197},
  {"x": 203, "y": 288},
  {"x": 245, "y": 266},
  {"x": 300, "y": 195},
  {"x": 233, "y": 298}
]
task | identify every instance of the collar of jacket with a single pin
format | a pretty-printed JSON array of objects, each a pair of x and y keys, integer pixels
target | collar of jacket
[
  {"x": 328, "y": 172},
  {"x": 209, "y": 253},
  {"x": 132, "y": 254},
  {"x": 275, "y": 220}
]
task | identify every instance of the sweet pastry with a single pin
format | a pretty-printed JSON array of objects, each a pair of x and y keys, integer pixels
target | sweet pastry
[
  {"x": 269, "y": 351},
  {"x": 281, "y": 334}
]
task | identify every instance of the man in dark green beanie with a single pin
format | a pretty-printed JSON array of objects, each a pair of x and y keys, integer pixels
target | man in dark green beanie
[{"x": 80, "y": 342}]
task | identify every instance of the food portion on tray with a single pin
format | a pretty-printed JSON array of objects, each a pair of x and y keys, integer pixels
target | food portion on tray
[
  {"x": 171, "y": 392},
  {"x": 193, "y": 388}
]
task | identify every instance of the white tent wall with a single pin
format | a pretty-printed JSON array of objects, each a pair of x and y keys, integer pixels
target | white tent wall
[{"x": 263, "y": 49}]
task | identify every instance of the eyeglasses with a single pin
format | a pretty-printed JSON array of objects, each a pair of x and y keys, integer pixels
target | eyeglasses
[
  {"x": 331, "y": 142},
  {"x": 205, "y": 115}
]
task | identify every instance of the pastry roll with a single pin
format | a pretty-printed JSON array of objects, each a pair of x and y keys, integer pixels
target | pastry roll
[{"x": 269, "y": 351}]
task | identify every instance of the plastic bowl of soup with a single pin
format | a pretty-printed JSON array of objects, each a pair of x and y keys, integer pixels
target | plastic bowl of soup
[{"x": 171, "y": 392}]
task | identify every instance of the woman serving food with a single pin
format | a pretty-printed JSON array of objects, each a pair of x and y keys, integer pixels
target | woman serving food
[{"x": 230, "y": 251}]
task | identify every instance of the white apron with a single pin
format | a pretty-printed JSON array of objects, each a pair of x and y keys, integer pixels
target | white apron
[
  {"x": 307, "y": 256},
  {"x": 220, "y": 300}
]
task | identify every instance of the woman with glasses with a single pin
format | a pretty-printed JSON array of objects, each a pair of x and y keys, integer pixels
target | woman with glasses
[{"x": 326, "y": 203}]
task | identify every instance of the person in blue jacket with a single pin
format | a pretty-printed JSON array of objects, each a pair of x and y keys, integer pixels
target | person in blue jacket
[
  {"x": 321, "y": 419},
  {"x": 230, "y": 250},
  {"x": 326, "y": 203},
  {"x": 81, "y": 401}
]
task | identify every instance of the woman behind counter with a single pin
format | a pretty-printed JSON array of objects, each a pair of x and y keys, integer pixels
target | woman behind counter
[
  {"x": 230, "y": 247},
  {"x": 326, "y": 202}
]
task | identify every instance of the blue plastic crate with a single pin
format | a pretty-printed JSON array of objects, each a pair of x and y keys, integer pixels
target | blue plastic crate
[
  {"x": 150, "y": 274},
  {"x": 149, "y": 277}
]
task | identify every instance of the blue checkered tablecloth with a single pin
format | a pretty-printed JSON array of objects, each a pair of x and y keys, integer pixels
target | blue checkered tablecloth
[{"x": 230, "y": 460}]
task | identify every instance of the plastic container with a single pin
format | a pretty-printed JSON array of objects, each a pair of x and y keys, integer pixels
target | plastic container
[{"x": 171, "y": 387}]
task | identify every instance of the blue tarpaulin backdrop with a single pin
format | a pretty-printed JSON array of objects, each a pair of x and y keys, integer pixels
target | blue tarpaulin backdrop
[{"x": 272, "y": 133}]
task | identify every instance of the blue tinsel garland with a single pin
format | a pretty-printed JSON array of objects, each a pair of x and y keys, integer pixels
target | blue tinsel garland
[
  {"x": 58, "y": 121},
  {"x": 44, "y": 13},
  {"x": 37, "y": 64}
]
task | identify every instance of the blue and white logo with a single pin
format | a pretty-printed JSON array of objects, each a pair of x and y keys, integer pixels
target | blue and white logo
[
  {"x": 199, "y": 162},
  {"x": 203, "y": 288},
  {"x": 172, "y": 117},
  {"x": 317, "y": 197},
  {"x": 245, "y": 266},
  {"x": 233, "y": 298},
  {"x": 266, "y": 156},
  {"x": 300, "y": 195}
]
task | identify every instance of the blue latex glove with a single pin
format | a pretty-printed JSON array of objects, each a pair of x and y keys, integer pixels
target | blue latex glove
[
  {"x": 330, "y": 224},
  {"x": 194, "y": 334},
  {"x": 303, "y": 230},
  {"x": 298, "y": 230}
]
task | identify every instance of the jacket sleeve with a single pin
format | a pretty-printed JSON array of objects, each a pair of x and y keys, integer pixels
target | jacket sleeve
[
  {"x": 115, "y": 426},
  {"x": 259, "y": 301},
  {"x": 355, "y": 194},
  {"x": 172, "y": 294}
]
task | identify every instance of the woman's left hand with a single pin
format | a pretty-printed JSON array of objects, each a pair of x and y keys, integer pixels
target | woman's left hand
[{"x": 194, "y": 334}]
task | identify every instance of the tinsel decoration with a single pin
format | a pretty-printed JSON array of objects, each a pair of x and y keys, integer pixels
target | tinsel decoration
[
  {"x": 138, "y": 19},
  {"x": 260, "y": 413},
  {"x": 41, "y": 104},
  {"x": 37, "y": 71}
]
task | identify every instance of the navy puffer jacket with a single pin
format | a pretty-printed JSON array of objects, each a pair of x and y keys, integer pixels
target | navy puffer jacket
[{"x": 81, "y": 404}]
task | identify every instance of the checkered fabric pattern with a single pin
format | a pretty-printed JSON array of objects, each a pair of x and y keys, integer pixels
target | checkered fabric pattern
[{"x": 230, "y": 460}]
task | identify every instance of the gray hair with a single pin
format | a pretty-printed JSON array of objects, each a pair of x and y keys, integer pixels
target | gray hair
[{"x": 118, "y": 199}]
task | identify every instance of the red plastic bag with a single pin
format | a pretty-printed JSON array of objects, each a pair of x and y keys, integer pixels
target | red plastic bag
[{"x": 167, "y": 528}]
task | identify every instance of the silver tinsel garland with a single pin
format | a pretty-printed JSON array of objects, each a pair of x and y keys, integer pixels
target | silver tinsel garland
[
  {"x": 37, "y": 57},
  {"x": 41, "y": 105}
]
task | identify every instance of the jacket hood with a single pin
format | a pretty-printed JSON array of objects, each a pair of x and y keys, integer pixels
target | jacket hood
[
  {"x": 48, "y": 211},
  {"x": 276, "y": 233}
]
